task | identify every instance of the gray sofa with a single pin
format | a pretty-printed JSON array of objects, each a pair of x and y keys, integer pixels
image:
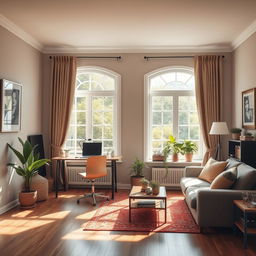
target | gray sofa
[{"x": 214, "y": 207}]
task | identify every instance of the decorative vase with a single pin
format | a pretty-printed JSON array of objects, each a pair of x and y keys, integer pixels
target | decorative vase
[
  {"x": 28, "y": 199},
  {"x": 188, "y": 157},
  {"x": 40, "y": 184},
  {"x": 236, "y": 136},
  {"x": 175, "y": 157}
]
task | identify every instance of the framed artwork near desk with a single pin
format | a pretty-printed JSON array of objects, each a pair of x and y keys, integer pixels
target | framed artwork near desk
[{"x": 10, "y": 105}]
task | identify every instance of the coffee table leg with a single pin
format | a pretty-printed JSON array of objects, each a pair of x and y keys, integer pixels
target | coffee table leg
[
  {"x": 165, "y": 209},
  {"x": 130, "y": 217}
]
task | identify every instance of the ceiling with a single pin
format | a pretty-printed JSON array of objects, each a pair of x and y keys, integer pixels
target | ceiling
[{"x": 132, "y": 25}]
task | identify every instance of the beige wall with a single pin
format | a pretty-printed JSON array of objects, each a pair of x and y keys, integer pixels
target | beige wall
[
  {"x": 21, "y": 63},
  {"x": 132, "y": 69},
  {"x": 244, "y": 76}
]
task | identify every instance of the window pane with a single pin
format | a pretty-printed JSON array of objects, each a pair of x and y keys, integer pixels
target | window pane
[
  {"x": 98, "y": 103},
  {"x": 81, "y": 118},
  {"x": 83, "y": 86},
  {"x": 157, "y": 133},
  {"x": 97, "y": 132},
  {"x": 157, "y": 118},
  {"x": 71, "y": 132},
  {"x": 167, "y": 131},
  {"x": 193, "y": 118},
  {"x": 72, "y": 118},
  {"x": 183, "y": 132},
  {"x": 81, "y": 103},
  {"x": 167, "y": 103},
  {"x": 108, "y": 103},
  {"x": 108, "y": 144},
  {"x": 167, "y": 117},
  {"x": 81, "y": 132},
  {"x": 108, "y": 132},
  {"x": 194, "y": 132},
  {"x": 97, "y": 118},
  {"x": 108, "y": 118},
  {"x": 184, "y": 103},
  {"x": 156, "y": 103},
  {"x": 83, "y": 77},
  {"x": 183, "y": 117}
]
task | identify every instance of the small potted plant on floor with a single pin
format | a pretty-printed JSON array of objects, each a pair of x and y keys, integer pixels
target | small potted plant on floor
[
  {"x": 155, "y": 187},
  {"x": 137, "y": 172},
  {"x": 188, "y": 148},
  {"x": 30, "y": 163},
  {"x": 144, "y": 184},
  {"x": 236, "y": 133}
]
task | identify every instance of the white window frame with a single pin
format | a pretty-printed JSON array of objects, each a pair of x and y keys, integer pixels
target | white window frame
[
  {"x": 117, "y": 103},
  {"x": 148, "y": 106}
]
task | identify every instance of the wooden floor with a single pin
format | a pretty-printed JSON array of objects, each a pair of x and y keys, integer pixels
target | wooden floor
[{"x": 54, "y": 227}]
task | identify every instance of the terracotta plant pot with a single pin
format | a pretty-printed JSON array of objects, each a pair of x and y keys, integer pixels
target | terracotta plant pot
[
  {"x": 188, "y": 157},
  {"x": 155, "y": 191},
  {"x": 27, "y": 199},
  {"x": 175, "y": 157},
  {"x": 236, "y": 136},
  {"x": 135, "y": 180}
]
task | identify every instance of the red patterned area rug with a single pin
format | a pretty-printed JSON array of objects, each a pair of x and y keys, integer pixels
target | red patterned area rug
[{"x": 114, "y": 216}]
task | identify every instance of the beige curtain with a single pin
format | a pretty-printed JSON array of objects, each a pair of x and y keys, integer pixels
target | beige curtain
[
  {"x": 208, "y": 79},
  {"x": 62, "y": 94}
]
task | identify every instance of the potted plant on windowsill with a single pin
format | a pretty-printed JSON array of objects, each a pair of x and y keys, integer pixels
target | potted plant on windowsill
[
  {"x": 30, "y": 163},
  {"x": 172, "y": 147},
  {"x": 188, "y": 148},
  {"x": 137, "y": 171},
  {"x": 236, "y": 133}
]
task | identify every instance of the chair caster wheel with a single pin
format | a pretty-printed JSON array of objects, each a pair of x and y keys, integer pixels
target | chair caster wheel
[
  {"x": 77, "y": 201},
  {"x": 107, "y": 199},
  {"x": 94, "y": 204}
]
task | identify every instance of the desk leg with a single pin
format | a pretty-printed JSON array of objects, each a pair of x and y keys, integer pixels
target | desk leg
[
  {"x": 57, "y": 175},
  {"x": 245, "y": 230},
  {"x": 165, "y": 210},
  {"x": 113, "y": 178},
  {"x": 64, "y": 175},
  {"x": 130, "y": 215}
]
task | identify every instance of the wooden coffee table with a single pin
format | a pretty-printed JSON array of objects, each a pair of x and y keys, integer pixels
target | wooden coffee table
[{"x": 138, "y": 199}]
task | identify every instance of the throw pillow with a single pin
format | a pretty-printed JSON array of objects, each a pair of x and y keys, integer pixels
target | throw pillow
[
  {"x": 225, "y": 179},
  {"x": 212, "y": 169}
]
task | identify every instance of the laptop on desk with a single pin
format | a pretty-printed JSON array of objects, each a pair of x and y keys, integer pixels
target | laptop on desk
[{"x": 91, "y": 149}]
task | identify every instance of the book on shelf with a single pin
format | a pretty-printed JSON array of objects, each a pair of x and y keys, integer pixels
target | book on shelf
[{"x": 146, "y": 203}]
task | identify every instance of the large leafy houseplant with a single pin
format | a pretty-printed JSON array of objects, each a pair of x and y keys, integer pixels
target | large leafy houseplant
[{"x": 29, "y": 162}]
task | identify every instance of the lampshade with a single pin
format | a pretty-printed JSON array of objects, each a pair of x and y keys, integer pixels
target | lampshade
[{"x": 219, "y": 128}]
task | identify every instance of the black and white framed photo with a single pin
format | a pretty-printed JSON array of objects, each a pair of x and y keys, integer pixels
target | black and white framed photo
[
  {"x": 248, "y": 112},
  {"x": 10, "y": 103}
]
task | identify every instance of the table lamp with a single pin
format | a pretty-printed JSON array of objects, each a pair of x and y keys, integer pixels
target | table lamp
[{"x": 219, "y": 128}]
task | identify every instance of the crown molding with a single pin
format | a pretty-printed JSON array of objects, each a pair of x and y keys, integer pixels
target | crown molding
[
  {"x": 13, "y": 28},
  {"x": 251, "y": 29},
  {"x": 135, "y": 49}
]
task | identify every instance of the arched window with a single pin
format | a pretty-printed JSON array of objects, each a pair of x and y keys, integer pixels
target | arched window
[
  {"x": 170, "y": 108},
  {"x": 96, "y": 110}
]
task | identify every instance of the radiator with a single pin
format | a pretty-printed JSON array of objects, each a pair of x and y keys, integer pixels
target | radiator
[
  {"x": 75, "y": 179},
  {"x": 172, "y": 179}
]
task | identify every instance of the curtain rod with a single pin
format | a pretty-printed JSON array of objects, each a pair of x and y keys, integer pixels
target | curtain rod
[
  {"x": 171, "y": 57},
  {"x": 96, "y": 57}
]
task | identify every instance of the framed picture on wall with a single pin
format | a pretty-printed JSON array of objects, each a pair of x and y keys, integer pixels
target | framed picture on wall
[
  {"x": 248, "y": 109},
  {"x": 10, "y": 106}
]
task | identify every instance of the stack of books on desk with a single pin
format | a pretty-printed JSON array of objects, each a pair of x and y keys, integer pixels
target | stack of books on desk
[{"x": 146, "y": 203}]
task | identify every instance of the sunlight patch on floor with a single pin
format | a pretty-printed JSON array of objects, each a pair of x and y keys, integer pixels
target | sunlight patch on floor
[
  {"x": 79, "y": 234},
  {"x": 87, "y": 215}
]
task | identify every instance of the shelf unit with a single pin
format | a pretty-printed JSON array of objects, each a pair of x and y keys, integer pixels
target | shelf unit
[{"x": 244, "y": 151}]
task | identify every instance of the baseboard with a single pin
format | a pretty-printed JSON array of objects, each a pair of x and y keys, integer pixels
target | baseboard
[{"x": 8, "y": 206}]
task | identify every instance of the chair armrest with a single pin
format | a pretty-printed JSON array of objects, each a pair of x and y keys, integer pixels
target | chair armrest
[{"x": 192, "y": 171}]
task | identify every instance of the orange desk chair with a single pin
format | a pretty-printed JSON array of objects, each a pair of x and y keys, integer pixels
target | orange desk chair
[{"x": 96, "y": 167}]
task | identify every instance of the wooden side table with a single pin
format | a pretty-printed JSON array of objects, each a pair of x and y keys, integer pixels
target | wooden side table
[{"x": 242, "y": 222}]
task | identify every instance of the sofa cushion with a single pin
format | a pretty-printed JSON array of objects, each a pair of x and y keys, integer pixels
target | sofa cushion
[
  {"x": 191, "y": 196},
  {"x": 186, "y": 182},
  {"x": 225, "y": 179},
  {"x": 246, "y": 177},
  {"x": 211, "y": 170},
  {"x": 232, "y": 162}
]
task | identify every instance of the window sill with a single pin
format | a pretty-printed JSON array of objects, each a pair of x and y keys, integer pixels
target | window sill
[{"x": 175, "y": 164}]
